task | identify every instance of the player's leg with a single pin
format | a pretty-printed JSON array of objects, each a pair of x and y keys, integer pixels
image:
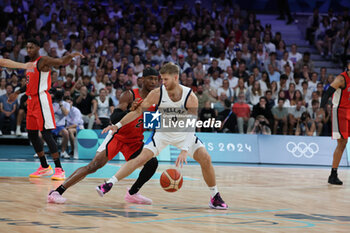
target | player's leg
[
  {"x": 132, "y": 195},
  {"x": 44, "y": 169},
  {"x": 340, "y": 131},
  {"x": 198, "y": 152},
  {"x": 100, "y": 160},
  {"x": 338, "y": 152}
]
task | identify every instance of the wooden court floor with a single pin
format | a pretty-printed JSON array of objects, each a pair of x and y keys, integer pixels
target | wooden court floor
[{"x": 260, "y": 199}]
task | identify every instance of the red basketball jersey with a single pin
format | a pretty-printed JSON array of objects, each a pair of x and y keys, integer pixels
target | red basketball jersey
[
  {"x": 133, "y": 132},
  {"x": 37, "y": 81},
  {"x": 341, "y": 97}
]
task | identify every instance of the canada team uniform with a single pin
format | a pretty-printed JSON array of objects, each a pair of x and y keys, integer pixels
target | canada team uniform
[
  {"x": 40, "y": 114},
  {"x": 128, "y": 139},
  {"x": 341, "y": 110},
  {"x": 161, "y": 139}
]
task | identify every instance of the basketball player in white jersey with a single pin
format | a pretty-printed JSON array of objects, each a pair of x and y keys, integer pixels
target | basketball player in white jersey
[{"x": 171, "y": 97}]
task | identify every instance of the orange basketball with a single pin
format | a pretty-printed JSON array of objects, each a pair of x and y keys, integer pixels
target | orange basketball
[{"x": 171, "y": 180}]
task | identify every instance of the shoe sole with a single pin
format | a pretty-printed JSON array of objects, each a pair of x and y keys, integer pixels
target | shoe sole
[
  {"x": 217, "y": 207},
  {"x": 58, "y": 178},
  {"x": 99, "y": 191},
  {"x": 138, "y": 202},
  {"x": 53, "y": 202},
  {"x": 39, "y": 176}
]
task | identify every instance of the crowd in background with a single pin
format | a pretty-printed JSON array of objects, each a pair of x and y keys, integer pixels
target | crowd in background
[{"x": 241, "y": 72}]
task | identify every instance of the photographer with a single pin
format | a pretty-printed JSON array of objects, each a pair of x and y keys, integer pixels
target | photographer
[
  {"x": 261, "y": 126},
  {"x": 305, "y": 126}
]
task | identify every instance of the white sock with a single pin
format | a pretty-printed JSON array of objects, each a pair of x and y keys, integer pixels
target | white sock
[
  {"x": 213, "y": 191},
  {"x": 112, "y": 180},
  {"x": 18, "y": 128}
]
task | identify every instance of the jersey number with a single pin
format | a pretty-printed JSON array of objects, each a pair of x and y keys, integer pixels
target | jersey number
[{"x": 139, "y": 123}]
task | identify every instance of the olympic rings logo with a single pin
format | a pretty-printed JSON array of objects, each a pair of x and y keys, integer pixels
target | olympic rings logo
[{"x": 302, "y": 149}]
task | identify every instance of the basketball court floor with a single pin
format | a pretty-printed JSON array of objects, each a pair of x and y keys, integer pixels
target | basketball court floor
[{"x": 261, "y": 198}]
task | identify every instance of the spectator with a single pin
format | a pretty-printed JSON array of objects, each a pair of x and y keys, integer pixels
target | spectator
[
  {"x": 305, "y": 126},
  {"x": 219, "y": 106},
  {"x": 22, "y": 111},
  {"x": 305, "y": 61},
  {"x": 242, "y": 111},
  {"x": 7, "y": 110},
  {"x": 284, "y": 61},
  {"x": 312, "y": 25},
  {"x": 61, "y": 109},
  {"x": 223, "y": 62},
  {"x": 317, "y": 116},
  {"x": 207, "y": 113},
  {"x": 233, "y": 81},
  {"x": 116, "y": 97},
  {"x": 261, "y": 126},
  {"x": 280, "y": 115},
  {"x": 74, "y": 123},
  {"x": 254, "y": 93},
  {"x": 273, "y": 74},
  {"x": 294, "y": 55},
  {"x": 295, "y": 114},
  {"x": 103, "y": 108},
  {"x": 202, "y": 97},
  {"x": 260, "y": 108},
  {"x": 84, "y": 103},
  {"x": 225, "y": 88},
  {"x": 137, "y": 65},
  {"x": 2, "y": 86}
]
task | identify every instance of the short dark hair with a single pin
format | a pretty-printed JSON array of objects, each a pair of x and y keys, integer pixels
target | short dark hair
[{"x": 33, "y": 41}]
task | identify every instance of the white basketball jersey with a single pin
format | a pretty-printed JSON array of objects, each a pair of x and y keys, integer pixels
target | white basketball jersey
[{"x": 173, "y": 110}]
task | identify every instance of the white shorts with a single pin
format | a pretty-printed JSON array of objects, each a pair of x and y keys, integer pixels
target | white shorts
[{"x": 158, "y": 141}]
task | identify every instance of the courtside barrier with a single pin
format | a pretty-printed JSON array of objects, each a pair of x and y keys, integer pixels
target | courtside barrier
[{"x": 239, "y": 148}]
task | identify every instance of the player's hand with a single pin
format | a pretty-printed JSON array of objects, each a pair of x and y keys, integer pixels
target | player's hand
[
  {"x": 113, "y": 128},
  {"x": 181, "y": 158},
  {"x": 12, "y": 97},
  {"x": 76, "y": 54},
  {"x": 135, "y": 104}
]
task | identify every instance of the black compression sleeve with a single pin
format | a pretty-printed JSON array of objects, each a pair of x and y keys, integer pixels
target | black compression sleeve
[{"x": 326, "y": 96}]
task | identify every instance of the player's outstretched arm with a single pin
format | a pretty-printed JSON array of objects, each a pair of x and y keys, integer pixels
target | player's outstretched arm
[
  {"x": 16, "y": 65},
  {"x": 151, "y": 99},
  {"x": 50, "y": 61}
]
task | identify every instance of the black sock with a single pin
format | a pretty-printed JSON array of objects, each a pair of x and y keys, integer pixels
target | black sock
[
  {"x": 43, "y": 162},
  {"x": 57, "y": 162},
  {"x": 61, "y": 189},
  {"x": 334, "y": 171}
]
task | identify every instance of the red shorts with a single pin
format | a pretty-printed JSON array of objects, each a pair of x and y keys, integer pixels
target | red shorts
[
  {"x": 113, "y": 146},
  {"x": 40, "y": 114},
  {"x": 340, "y": 123}
]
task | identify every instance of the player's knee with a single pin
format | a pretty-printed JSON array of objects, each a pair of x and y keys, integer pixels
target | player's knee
[{"x": 152, "y": 163}]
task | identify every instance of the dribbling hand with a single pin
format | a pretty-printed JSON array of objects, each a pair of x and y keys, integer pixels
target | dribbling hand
[
  {"x": 181, "y": 158},
  {"x": 113, "y": 128}
]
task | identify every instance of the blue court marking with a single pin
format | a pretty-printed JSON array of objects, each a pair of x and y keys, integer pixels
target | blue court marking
[
  {"x": 307, "y": 224},
  {"x": 23, "y": 169},
  {"x": 210, "y": 215}
]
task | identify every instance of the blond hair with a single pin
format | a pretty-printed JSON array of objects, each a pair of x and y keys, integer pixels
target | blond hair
[{"x": 170, "y": 68}]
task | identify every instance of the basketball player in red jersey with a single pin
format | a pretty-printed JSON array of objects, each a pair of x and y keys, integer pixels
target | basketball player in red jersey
[
  {"x": 15, "y": 65},
  {"x": 40, "y": 114},
  {"x": 340, "y": 89},
  {"x": 129, "y": 141}
]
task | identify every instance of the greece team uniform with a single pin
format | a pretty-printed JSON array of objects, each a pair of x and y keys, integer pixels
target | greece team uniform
[
  {"x": 40, "y": 113},
  {"x": 160, "y": 138}
]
